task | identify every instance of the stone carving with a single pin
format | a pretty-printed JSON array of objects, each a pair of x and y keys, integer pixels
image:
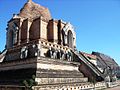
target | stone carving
[
  {"x": 59, "y": 54},
  {"x": 51, "y": 53},
  {"x": 36, "y": 50},
  {"x": 55, "y": 54},
  {"x": 69, "y": 56},
  {"x": 107, "y": 78},
  {"x": 24, "y": 52}
]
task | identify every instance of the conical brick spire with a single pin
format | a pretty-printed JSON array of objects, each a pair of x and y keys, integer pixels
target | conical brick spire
[
  {"x": 29, "y": 0},
  {"x": 32, "y": 10}
]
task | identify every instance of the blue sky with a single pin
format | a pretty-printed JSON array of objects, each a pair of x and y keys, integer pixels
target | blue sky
[{"x": 96, "y": 22}]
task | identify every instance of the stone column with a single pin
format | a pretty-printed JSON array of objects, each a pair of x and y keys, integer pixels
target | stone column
[{"x": 19, "y": 39}]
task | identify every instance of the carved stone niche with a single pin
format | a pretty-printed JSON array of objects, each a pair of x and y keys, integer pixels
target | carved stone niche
[
  {"x": 69, "y": 36},
  {"x": 33, "y": 51},
  {"x": 24, "y": 52},
  {"x": 61, "y": 54},
  {"x": 13, "y": 33},
  {"x": 51, "y": 52}
]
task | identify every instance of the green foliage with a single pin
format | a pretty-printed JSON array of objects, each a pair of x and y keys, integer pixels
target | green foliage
[
  {"x": 93, "y": 80},
  {"x": 25, "y": 83},
  {"x": 29, "y": 83},
  {"x": 33, "y": 77}
]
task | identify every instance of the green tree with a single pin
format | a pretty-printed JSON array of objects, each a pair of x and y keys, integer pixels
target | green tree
[{"x": 29, "y": 83}]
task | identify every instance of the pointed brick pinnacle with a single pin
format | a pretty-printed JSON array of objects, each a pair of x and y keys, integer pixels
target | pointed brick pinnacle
[
  {"x": 29, "y": 0},
  {"x": 33, "y": 10}
]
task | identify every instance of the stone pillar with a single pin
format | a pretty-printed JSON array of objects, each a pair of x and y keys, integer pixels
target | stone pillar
[
  {"x": 8, "y": 37},
  {"x": 28, "y": 29},
  {"x": 43, "y": 29},
  {"x": 35, "y": 29},
  {"x": 16, "y": 31},
  {"x": 59, "y": 32},
  {"x": 74, "y": 40},
  {"x": 13, "y": 31},
  {"x": 50, "y": 33},
  {"x": 53, "y": 31},
  {"x": 24, "y": 31}
]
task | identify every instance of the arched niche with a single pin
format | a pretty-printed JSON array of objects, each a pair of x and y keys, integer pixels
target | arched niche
[
  {"x": 12, "y": 34},
  {"x": 69, "y": 36}
]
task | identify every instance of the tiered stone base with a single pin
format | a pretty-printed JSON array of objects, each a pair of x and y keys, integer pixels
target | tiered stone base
[
  {"x": 67, "y": 86},
  {"x": 47, "y": 71}
]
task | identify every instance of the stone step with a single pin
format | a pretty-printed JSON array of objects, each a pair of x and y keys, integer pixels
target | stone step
[
  {"x": 42, "y": 73},
  {"x": 52, "y": 75},
  {"x": 60, "y": 80}
]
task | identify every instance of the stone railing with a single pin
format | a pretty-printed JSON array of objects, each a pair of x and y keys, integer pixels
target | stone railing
[
  {"x": 43, "y": 43},
  {"x": 35, "y": 48},
  {"x": 50, "y": 44}
]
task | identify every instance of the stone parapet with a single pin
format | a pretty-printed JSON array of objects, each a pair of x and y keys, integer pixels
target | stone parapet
[{"x": 41, "y": 45}]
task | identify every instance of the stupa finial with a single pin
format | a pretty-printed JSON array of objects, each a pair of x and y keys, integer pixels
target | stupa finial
[{"x": 29, "y": 0}]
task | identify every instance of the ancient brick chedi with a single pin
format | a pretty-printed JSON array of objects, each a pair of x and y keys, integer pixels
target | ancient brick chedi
[
  {"x": 41, "y": 46},
  {"x": 38, "y": 45},
  {"x": 35, "y": 22}
]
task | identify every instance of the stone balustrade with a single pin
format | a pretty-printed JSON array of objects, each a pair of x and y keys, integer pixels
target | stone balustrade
[{"x": 43, "y": 43}]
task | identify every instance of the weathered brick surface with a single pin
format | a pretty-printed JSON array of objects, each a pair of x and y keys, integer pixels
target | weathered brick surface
[
  {"x": 33, "y": 10},
  {"x": 34, "y": 31},
  {"x": 24, "y": 31}
]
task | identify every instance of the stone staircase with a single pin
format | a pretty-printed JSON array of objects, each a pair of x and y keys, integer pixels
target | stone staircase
[
  {"x": 59, "y": 72},
  {"x": 89, "y": 69}
]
